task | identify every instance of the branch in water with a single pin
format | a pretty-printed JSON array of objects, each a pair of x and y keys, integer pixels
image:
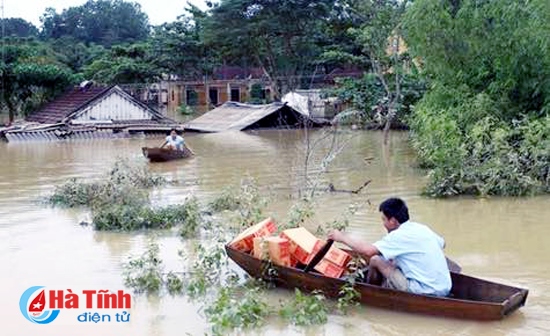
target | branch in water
[{"x": 331, "y": 188}]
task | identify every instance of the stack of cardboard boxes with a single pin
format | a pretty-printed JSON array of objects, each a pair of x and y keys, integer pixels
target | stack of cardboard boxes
[{"x": 292, "y": 248}]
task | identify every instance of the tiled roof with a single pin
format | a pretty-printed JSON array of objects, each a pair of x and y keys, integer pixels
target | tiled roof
[
  {"x": 351, "y": 71},
  {"x": 235, "y": 72},
  {"x": 144, "y": 121},
  {"x": 55, "y": 111}
]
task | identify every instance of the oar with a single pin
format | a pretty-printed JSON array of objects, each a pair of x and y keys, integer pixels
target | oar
[
  {"x": 319, "y": 256},
  {"x": 453, "y": 266},
  {"x": 189, "y": 148}
]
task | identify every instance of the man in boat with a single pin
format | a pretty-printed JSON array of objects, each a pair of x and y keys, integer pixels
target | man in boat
[
  {"x": 174, "y": 141},
  {"x": 409, "y": 258}
]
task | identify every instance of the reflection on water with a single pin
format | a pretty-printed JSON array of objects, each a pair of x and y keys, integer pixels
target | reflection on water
[{"x": 501, "y": 239}]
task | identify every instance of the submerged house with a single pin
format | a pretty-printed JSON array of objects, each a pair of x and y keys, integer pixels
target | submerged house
[
  {"x": 90, "y": 111},
  {"x": 313, "y": 103},
  {"x": 233, "y": 116}
]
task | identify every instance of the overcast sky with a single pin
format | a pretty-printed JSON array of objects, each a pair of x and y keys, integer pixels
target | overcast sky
[{"x": 159, "y": 11}]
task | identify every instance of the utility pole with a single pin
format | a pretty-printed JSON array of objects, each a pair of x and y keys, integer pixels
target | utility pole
[
  {"x": 3, "y": 34},
  {"x": 3, "y": 30},
  {"x": 3, "y": 48},
  {"x": 2, "y": 71}
]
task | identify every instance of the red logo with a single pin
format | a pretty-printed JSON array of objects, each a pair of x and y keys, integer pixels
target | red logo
[{"x": 37, "y": 305}]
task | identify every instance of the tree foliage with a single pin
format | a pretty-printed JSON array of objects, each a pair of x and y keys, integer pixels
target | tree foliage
[
  {"x": 181, "y": 48},
  {"x": 125, "y": 64},
  {"x": 30, "y": 75},
  {"x": 499, "y": 48},
  {"x": 373, "y": 37},
  {"x": 18, "y": 27},
  {"x": 104, "y": 22},
  {"x": 76, "y": 54},
  {"x": 369, "y": 97},
  {"x": 279, "y": 37},
  {"x": 483, "y": 127}
]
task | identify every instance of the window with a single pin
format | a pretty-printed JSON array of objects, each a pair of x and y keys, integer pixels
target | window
[
  {"x": 213, "y": 95},
  {"x": 235, "y": 95},
  {"x": 266, "y": 94},
  {"x": 191, "y": 97}
]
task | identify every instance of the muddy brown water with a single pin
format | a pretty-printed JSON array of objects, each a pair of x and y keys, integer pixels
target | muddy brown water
[{"x": 500, "y": 239}]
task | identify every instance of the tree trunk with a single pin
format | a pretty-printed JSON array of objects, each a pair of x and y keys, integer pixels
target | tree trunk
[
  {"x": 395, "y": 98},
  {"x": 10, "y": 106}
]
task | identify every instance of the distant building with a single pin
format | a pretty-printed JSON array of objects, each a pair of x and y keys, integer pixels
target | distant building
[
  {"x": 344, "y": 72},
  {"x": 206, "y": 95}
]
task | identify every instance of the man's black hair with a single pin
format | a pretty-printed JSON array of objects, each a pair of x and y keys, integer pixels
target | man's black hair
[{"x": 396, "y": 208}]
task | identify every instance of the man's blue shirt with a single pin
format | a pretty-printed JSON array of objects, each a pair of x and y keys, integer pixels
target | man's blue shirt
[{"x": 418, "y": 252}]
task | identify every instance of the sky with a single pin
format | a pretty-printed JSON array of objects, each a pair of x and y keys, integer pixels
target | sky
[{"x": 159, "y": 11}]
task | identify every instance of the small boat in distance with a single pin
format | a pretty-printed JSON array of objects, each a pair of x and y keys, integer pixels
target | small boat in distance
[
  {"x": 470, "y": 298},
  {"x": 157, "y": 154}
]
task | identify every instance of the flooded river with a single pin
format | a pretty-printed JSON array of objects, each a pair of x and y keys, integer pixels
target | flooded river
[{"x": 501, "y": 239}]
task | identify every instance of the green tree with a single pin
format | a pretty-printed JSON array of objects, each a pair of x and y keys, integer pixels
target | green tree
[
  {"x": 30, "y": 75},
  {"x": 180, "y": 48},
  {"x": 278, "y": 36},
  {"x": 499, "y": 48},
  {"x": 484, "y": 126},
  {"x": 76, "y": 54},
  {"x": 104, "y": 22},
  {"x": 338, "y": 39},
  {"x": 380, "y": 36},
  {"x": 125, "y": 64},
  {"x": 372, "y": 33},
  {"x": 18, "y": 27},
  {"x": 369, "y": 96}
]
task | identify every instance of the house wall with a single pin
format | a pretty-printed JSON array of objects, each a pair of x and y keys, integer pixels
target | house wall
[
  {"x": 177, "y": 92},
  {"x": 114, "y": 107}
]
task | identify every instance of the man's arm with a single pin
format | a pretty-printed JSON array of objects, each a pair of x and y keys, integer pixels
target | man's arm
[{"x": 361, "y": 247}]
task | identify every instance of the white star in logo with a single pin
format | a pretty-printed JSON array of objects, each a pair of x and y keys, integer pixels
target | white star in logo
[{"x": 37, "y": 305}]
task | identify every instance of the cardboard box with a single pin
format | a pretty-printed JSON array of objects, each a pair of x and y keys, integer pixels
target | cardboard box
[
  {"x": 329, "y": 269},
  {"x": 260, "y": 250},
  {"x": 293, "y": 260},
  {"x": 302, "y": 243},
  {"x": 279, "y": 250},
  {"x": 335, "y": 255},
  {"x": 274, "y": 248},
  {"x": 245, "y": 241}
]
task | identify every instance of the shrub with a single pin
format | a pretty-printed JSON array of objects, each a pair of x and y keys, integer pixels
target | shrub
[{"x": 306, "y": 309}]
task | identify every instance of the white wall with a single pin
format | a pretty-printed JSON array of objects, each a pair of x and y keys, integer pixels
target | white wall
[{"x": 114, "y": 107}]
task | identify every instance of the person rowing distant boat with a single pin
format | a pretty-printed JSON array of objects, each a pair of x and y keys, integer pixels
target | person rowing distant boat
[
  {"x": 410, "y": 257},
  {"x": 174, "y": 141}
]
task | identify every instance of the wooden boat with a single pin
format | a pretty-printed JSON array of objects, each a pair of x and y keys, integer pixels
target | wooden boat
[
  {"x": 157, "y": 154},
  {"x": 471, "y": 298}
]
